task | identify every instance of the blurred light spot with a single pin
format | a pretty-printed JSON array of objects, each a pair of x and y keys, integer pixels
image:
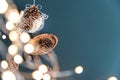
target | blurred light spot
[
  {"x": 18, "y": 59},
  {"x": 13, "y": 36},
  {"x": 13, "y": 15},
  {"x": 112, "y": 78},
  {"x": 43, "y": 68},
  {"x": 4, "y": 64},
  {"x": 46, "y": 77},
  {"x": 3, "y": 6},
  {"x": 9, "y": 25},
  {"x": 28, "y": 48},
  {"x": 78, "y": 69},
  {"x": 8, "y": 75},
  {"x": 37, "y": 75},
  {"x": 3, "y": 36},
  {"x": 12, "y": 49},
  {"x": 24, "y": 37}
]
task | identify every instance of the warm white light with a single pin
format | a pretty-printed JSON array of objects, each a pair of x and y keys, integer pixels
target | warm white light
[
  {"x": 24, "y": 37},
  {"x": 37, "y": 75},
  {"x": 78, "y": 69},
  {"x": 3, "y": 36},
  {"x": 8, "y": 75},
  {"x": 13, "y": 36},
  {"x": 112, "y": 78},
  {"x": 13, "y": 15},
  {"x": 43, "y": 68},
  {"x": 4, "y": 64},
  {"x": 3, "y": 6},
  {"x": 9, "y": 25},
  {"x": 28, "y": 48},
  {"x": 12, "y": 49},
  {"x": 18, "y": 59},
  {"x": 46, "y": 77}
]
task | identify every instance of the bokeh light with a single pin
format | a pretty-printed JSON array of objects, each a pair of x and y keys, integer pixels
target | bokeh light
[
  {"x": 9, "y": 25},
  {"x": 3, "y": 36},
  {"x": 24, "y": 37},
  {"x": 8, "y": 75},
  {"x": 13, "y": 15},
  {"x": 29, "y": 48},
  {"x": 112, "y": 78},
  {"x": 13, "y": 36},
  {"x": 78, "y": 69},
  {"x": 4, "y": 64},
  {"x": 3, "y": 6},
  {"x": 37, "y": 75},
  {"x": 12, "y": 49},
  {"x": 18, "y": 59},
  {"x": 46, "y": 77},
  {"x": 43, "y": 68}
]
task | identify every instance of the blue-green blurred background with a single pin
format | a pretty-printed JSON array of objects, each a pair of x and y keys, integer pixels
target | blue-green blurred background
[{"x": 88, "y": 33}]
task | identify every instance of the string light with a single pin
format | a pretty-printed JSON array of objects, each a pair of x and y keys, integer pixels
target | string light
[
  {"x": 46, "y": 77},
  {"x": 112, "y": 78},
  {"x": 9, "y": 25},
  {"x": 24, "y": 37},
  {"x": 4, "y": 64},
  {"x": 78, "y": 69},
  {"x": 12, "y": 49},
  {"x": 13, "y": 36},
  {"x": 13, "y": 15},
  {"x": 37, "y": 75},
  {"x": 8, "y": 75},
  {"x": 18, "y": 59},
  {"x": 28, "y": 48},
  {"x": 43, "y": 68},
  {"x": 3, "y": 6},
  {"x": 3, "y": 36}
]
